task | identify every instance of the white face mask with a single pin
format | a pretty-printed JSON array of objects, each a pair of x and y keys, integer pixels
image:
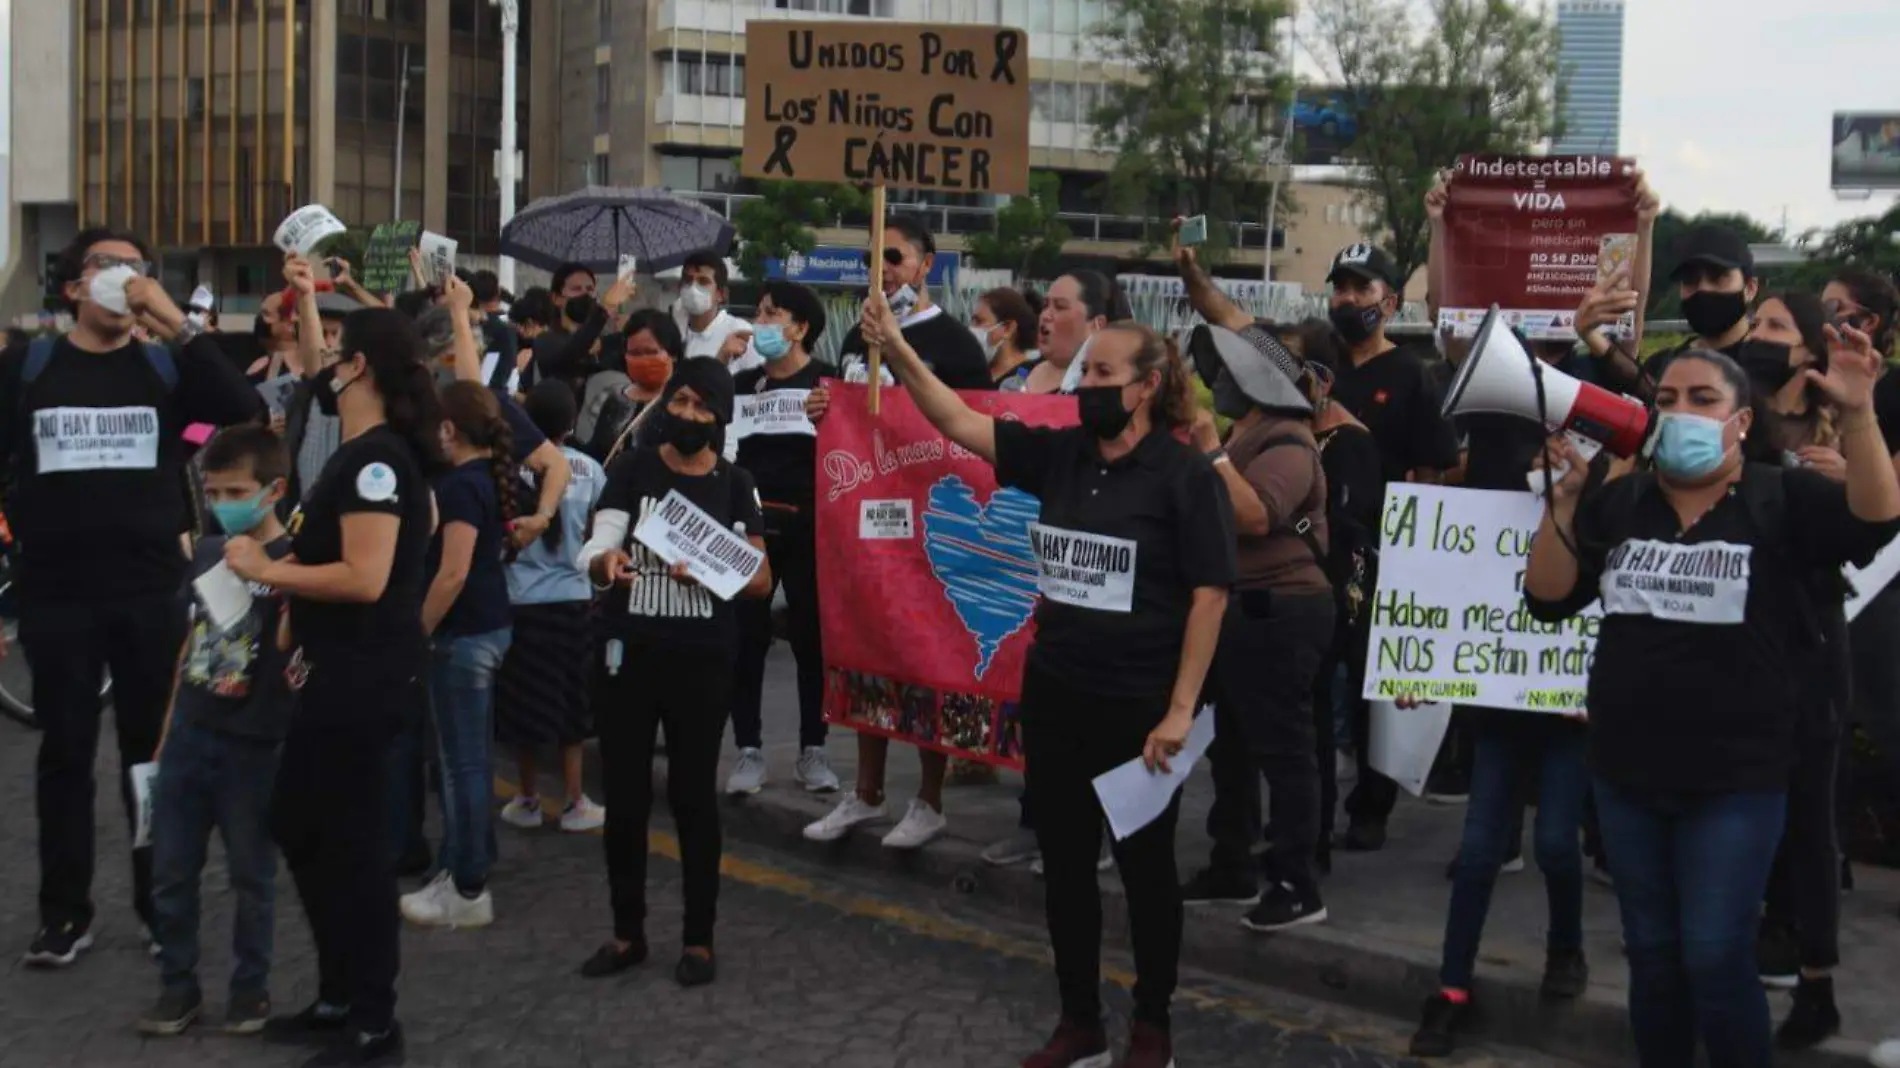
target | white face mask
[
  {"x": 696, "y": 300},
  {"x": 108, "y": 289},
  {"x": 903, "y": 301},
  {"x": 982, "y": 334}
]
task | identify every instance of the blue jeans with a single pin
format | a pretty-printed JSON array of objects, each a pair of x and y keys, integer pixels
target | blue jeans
[
  {"x": 208, "y": 779},
  {"x": 1493, "y": 820},
  {"x": 462, "y": 700},
  {"x": 1690, "y": 872}
]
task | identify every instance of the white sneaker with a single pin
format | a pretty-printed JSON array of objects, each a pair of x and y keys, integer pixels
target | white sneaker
[
  {"x": 1886, "y": 1054},
  {"x": 920, "y": 824},
  {"x": 813, "y": 771},
  {"x": 838, "y": 823},
  {"x": 582, "y": 816},
  {"x": 523, "y": 812},
  {"x": 1104, "y": 862},
  {"x": 440, "y": 904},
  {"x": 748, "y": 775}
]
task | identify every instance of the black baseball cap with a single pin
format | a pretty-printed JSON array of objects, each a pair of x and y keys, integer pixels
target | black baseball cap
[
  {"x": 1369, "y": 262},
  {"x": 1716, "y": 246}
]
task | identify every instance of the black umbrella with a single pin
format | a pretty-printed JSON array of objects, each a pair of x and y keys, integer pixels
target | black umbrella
[{"x": 598, "y": 225}]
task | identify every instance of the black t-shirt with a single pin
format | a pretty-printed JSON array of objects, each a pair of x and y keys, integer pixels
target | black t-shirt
[
  {"x": 500, "y": 338},
  {"x": 382, "y": 641},
  {"x": 96, "y": 459},
  {"x": 655, "y": 610},
  {"x": 1887, "y": 408},
  {"x": 233, "y": 681},
  {"x": 1710, "y": 706},
  {"x": 1397, "y": 396},
  {"x": 945, "y": 345},
  {"x": 1121, "y": 547},
  {"x": 784, "y": 465},
  {"x": 466, "y": 494}
]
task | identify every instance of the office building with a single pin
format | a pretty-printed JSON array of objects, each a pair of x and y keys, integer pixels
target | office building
[{"x": 1592, "y": 60}]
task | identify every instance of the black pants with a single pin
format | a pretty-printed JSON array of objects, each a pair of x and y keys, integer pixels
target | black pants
[
  {"x": 1069, "y": 737},
  {"x": 688, "y": 693},
  {"x": 1271, "y": 646},
  {"x": 794, "y": 561},
  {"x": 69, "y": 645},
  {"x": 1804, "y": 886},
  {"x": 1373, "y": 795},
  {"x": 329, "y": 812}
]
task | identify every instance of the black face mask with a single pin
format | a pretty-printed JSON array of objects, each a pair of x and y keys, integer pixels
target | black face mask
[
  {"x": 579, "y": 309},
  {"x": 326, "y": 390},
  {"x": 1229, "y": 401},
  {"x": 1712, "y": 314},
  {"x": 686, "y": 435},
  {"x": 1101, "y": 411},
  {"x": 1766, "y": 362},
  {"x": 1354, "y": 323}
]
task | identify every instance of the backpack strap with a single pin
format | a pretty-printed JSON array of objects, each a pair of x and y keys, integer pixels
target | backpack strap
[
  {"x": 163, "y": 363},
  {"x": 1303, "y": 526},
  {"x": 39, "y": 353}
]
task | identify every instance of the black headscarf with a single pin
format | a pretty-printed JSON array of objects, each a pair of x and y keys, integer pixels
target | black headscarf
[{"x": 709, "y": 378}]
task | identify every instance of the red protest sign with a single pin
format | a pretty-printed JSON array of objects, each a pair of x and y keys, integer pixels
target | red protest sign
[
  {"x": 925, "y": 575},
  {"x": 1525, "y": 233}
]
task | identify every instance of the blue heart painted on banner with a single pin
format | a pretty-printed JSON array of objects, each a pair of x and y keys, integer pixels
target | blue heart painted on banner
[{"x": 981, "y": 555}]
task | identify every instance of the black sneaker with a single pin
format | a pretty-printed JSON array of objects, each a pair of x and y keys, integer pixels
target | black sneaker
[
  {"x": 57, "y": 947},
  {"x": 175, "y": 1011},
  {"x": 247, "y": 1013},
  {"x": 1566, "y": 974},
  {"x": 1814, "y": 1019},
  {"x": 1363, "y": 838},
  {"x": 1777, "y": 956},
  {"x": 358, "y": 1050},
  {"x": 1438, "y": 1028},
  {"x": 1282, "y": 908},
  {"x": 319, "y": 1024},
  {"x": 1210, "y": 886},
  {"x": 612, "y": 960},
  {"x": 695, "y": 970}
]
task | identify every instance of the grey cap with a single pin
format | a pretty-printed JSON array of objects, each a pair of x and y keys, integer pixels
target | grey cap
[
  {"x": 335, "y": 305},
  {"x": 1262, "y": 367},
  {"x": 437, "y": 327}
]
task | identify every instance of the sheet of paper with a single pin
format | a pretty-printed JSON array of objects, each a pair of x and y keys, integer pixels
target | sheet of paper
[
  {"x": 1870, "y": 580},
  {"x": 488, "y": 372},
  {"x": 142, "y": 776},
  {"x": 276, "y": 391},
  {"x": 716, "y": 557},
  {"x": 225, "y": 597},
  {"x": 1133, "y": 797}
]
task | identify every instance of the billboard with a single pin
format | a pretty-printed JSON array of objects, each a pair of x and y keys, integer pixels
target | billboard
[
  {"x": 834, "y": 265},
  {"x": 1866, "y": 150},
  {"x": 1325, "y": 124}
]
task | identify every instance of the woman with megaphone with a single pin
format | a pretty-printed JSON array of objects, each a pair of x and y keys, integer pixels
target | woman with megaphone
[{"x": 1702, "y": 567}]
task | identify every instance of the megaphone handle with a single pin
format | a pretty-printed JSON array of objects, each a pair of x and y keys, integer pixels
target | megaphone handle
[{"x": 1586, "y": 448}]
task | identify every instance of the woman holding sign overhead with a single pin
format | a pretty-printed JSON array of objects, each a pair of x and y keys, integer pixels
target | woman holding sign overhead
[
  {"x": 669, "y": 654},
  {"x": 1136, "y": 550},
  {"x": 1696, "y": 698}
]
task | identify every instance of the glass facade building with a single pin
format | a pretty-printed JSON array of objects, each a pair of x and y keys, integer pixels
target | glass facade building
[{"x": 1592, "y": 59}]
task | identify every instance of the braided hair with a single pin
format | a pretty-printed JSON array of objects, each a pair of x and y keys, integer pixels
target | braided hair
[{"x": 474, "y": 411}]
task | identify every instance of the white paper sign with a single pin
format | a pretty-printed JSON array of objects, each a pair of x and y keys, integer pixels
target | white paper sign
[
  {"x": 776, "y": 411},
  {"x": 306, "y": 228},
  {"x": 142, "y": 776},
  {"x": 1449, "y": 621},
  {"x": 438, "y": 256},
  {"x": 1870, "y": 580},
  {"x": 225, "y": 597},
  {"x": 489, "y": 361},
  {"x": 716, "y": 557},
  {"x": 1133, "y": 797},
  {"x": 276, "y": 391},
  {"x": 1084, "y": 570},
  {"x": 885, "y": 520},
  {"x": 96, "y": 439},
  {"x": 1706, "y": 582},
  {"x": 1402, "y": 743}
]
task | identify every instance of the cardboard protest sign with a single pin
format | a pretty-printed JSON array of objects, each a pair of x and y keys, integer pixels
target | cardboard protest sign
[
  {"x": 385, "y": 267},
  {"x": 929, "y": 575},
  {"x": 874, "y": 103},
  {"x": 1448, "y": 620},
  {"x": 1524, "y": 233},
  {"x": 679, "y": 531}
]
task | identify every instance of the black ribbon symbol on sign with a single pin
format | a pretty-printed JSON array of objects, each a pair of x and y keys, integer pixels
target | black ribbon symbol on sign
[
  {"x": 1006, "y": 44},
  {"x": 781, "y": 157}
]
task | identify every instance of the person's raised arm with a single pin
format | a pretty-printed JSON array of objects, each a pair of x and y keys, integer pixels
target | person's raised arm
[
  {"x": 459, "y": 298},
  {"x": 347, "y": 284},
  {"x": 1435, "y": 200},
  {"x": 1202, "y": 294},
  {"x": 1250, "y": 512},
  {"x": 940, "y": 404},
  {"x": 210, "y": 389},
  {"x": 309, "y": 320},
  {"x": 1873, "y": 493}
]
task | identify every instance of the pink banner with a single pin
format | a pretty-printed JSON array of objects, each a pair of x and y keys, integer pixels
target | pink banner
[{"x": 925, "y": 577}]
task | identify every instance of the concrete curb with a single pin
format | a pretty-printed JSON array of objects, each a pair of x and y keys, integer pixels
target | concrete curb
[{"x": 1319, "y": 962}]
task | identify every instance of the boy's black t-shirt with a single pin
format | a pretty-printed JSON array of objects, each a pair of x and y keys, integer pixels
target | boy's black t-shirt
[
  {"x": 95, "y": 453},
  {"x": 373, "y": 472},
  {"x": 655, "y": 610},
  {"x": 784, "y": 465},
  {"x": 233, "y": 681},
  {"x": 467, "y": 495}
]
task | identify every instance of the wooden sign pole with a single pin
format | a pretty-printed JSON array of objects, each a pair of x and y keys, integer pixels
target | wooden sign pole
[{"x": 874, "y": 351}]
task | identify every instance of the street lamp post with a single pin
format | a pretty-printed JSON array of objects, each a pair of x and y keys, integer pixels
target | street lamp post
[{"x": 505, "y": 159}]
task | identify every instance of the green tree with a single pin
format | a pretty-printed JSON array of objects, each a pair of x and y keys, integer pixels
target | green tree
[
  {"x": 1192, "y": 128},
  {"x": 1028, "y": 238},
  {"x": 1871, "y": 242},
  {"x": 1474, "y": 76},
  {"x": 780, "y": 221}
]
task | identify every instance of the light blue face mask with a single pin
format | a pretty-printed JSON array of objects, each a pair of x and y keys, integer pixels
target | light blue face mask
[
  {"x": 243, "y": 516},
  {"x": 768, "y": 340},
  {"x": 1689, "y": 446}
]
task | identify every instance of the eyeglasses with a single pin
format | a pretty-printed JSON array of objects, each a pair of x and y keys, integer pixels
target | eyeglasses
[{"x": 102, "y": 261}]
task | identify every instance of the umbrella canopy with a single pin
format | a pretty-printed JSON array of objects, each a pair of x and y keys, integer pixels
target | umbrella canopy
[{"x": 597, "y": 225}]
